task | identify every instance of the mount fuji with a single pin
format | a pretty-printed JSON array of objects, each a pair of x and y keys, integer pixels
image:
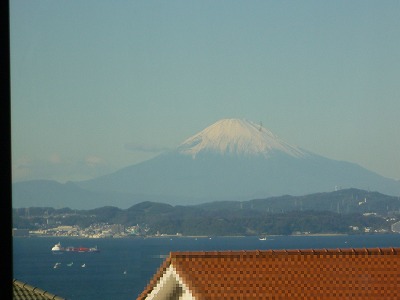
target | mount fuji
[
  {"x": 236, "y": 159},
  {"x": 236, "y": 137},
  {"x": 232, "y": 159}
]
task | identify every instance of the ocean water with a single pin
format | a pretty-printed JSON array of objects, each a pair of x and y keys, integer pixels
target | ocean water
[{"x": 123, "y": 267}]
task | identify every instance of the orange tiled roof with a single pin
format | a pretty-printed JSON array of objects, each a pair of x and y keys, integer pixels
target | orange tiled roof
[{"x": 288, "y": 274}]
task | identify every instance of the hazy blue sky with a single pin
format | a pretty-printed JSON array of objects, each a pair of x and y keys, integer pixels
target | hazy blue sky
[{"x": 99, "y": 85}]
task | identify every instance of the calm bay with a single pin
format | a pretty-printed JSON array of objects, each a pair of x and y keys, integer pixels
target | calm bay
[{"x": 123, "y": 267}]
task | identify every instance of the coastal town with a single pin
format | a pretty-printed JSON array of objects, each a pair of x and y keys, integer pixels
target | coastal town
[
  {"x": 104, "y": 230},
  {"x": 98, "y": 230},
  {"x": 348, "y": 212}
]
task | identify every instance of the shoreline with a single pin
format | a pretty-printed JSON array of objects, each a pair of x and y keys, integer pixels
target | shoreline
[{"x": 202, "y": 236}]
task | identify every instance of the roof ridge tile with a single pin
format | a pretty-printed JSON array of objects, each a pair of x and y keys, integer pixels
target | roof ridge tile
[{"x": 365, "y": 250}]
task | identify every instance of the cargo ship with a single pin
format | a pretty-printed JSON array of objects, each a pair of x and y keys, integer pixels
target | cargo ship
[{"x": 57, "y": 248}]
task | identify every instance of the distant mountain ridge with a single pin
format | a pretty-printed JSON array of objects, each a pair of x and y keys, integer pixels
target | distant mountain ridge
[
  {"x": 230, "y": 160},
  {"x": 49, "y": 193},
  {"x": 341, "y": 211}
]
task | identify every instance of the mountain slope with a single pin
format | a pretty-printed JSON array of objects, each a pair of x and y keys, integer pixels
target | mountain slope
[
  {"x": 238, "y": 160},
  {"x": 49, "y": 193},
  {"x": 236, "y": 137},
  {"x": 339, "y": 211},
  {"x": 229, "y": 160},
  {"x": 210, "y": 177}
]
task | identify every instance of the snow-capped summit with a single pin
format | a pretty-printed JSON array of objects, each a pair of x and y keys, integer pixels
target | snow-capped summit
[
  {"x": 210, "y": 167},
  {"x": 237, "y": 137}
]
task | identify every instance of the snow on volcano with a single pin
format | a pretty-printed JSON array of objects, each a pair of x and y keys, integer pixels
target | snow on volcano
[
  {"x": 237, "y": 137},
  {"x": 232, "y": 159}
]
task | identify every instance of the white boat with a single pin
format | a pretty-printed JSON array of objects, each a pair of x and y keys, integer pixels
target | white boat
[
  {"x": 83, "y": 266},
  {"x": 57, "y": 248},
  {"x": 70, "y": 264},
  {"x": 263, "y": 239},
  {"x": 56, "y": 265}
]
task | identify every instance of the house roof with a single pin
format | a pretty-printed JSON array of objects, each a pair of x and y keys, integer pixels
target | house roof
[
  {"x": 24, "y": 291},
  {"x": 369, "y": 273}
]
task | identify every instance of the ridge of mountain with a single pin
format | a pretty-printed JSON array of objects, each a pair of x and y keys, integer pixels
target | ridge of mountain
[
  {"x": 344, "y": 211},
  {"x": 50, "y": 193},
  {"x": 352, "y": 199},
  {"x": 236, "y": 137},
  {"x": 230, "y": 160}
]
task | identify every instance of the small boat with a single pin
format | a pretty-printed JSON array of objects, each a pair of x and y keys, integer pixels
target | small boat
[
  {"x": 70, "y": 264},
  {"x": 83, "y": 266},
  {"x": 57, "y": 248},
  {"x": 125, "y": 272},
  {"x": 56, "y": 265},
  {"x": 263, "y": 238}
]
